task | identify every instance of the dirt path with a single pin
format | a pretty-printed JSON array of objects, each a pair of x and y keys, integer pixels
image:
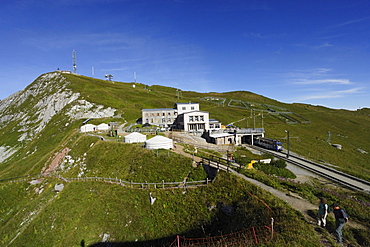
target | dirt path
[{"x": 295, "y": 201}]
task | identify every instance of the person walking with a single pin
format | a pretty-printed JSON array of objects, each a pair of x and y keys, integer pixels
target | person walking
[
  {"x": 341, "y": 218},
  {"x": 323, "y": 212}
]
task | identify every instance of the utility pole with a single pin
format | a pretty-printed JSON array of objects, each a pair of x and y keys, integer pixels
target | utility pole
[
  {"x": 74, "y": 61},
  {"x": 262, "y": 119},
  {"x": 287, "y": 155}
]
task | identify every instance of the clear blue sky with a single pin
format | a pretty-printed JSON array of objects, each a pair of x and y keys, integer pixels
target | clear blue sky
[{"x": 314, "y": 52}]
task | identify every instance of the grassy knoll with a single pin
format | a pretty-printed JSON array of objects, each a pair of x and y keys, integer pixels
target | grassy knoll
[{"x": 89, "y": 211}]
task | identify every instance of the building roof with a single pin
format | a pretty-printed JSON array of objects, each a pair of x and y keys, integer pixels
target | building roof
[
  {"x": 194, "y": 111},
  {"x": 219, "y": 135},
  {"x": 159, "y": 109}
]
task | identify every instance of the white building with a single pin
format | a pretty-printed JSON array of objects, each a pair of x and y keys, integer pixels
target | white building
[
  {"x": 159, "y": 142},
  {"x": 184, "y": 116},
  {"x": 135, "y": 137},
  {"x": 88, "y": 128},
  {"x": 103, "y": 126}
]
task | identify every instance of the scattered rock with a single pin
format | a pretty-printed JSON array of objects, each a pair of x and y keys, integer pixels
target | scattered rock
[
  {"x": 58, "y": 187},
  {"x": 339, "y": 146}
]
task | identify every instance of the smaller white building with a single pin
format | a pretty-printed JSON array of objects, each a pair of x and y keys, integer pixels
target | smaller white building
[
  {"x": 103, "y": 126},
  {"x": 159, "y": 142},
  {"x": 135, "y": 137},
  {"x": 88, "y": 128}
]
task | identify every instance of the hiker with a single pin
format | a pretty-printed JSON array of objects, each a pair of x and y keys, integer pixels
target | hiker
[
  {"x": 323, "y": 212},
  {"x": 341, "y": 218}
]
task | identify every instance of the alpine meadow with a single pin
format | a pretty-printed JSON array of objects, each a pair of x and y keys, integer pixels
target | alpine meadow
[{"x": 62, "y": 187}]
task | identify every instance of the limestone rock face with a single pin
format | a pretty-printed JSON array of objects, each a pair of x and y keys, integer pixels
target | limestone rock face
[{"x": 32, "y": 108}]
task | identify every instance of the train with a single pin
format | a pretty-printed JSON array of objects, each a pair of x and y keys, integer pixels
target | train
[{"x": 268, "y": 143}]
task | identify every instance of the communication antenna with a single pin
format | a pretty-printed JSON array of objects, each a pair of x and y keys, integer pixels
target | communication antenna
[
  {"x": 135, "y": 77},
  {"x": 74, "y": 61},
  {"x": 92, "y": 71},
  {"x": 179, "y": 94},
  {"x": 108, "y": 77}
]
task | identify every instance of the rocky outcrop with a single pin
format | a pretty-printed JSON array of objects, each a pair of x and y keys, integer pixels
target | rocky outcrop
[{"x": 32, "y": 109}]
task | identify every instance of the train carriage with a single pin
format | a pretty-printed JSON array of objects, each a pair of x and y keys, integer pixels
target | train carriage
[{"x": 268, "y": 143}]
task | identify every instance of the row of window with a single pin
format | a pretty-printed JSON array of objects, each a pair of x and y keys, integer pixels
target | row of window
[
  {"x": 163, "y": 120},
  {"x": 158, "y": 114},
  {"x": 196, "y": 126},
  {"x": 196, "y": 118},
  {"x": 184, "y": 108}
]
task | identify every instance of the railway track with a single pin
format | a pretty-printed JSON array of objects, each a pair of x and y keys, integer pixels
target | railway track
[{"x": 330, "y": 173}]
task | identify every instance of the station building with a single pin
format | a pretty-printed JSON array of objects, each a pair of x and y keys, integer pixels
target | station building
[{"x": 183, "y": 116}]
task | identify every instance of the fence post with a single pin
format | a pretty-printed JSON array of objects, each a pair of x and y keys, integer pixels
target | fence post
[
  {"x": 254, "y": 234},
  {"x": 131, "y": 184},
  {"x": 272, "y": 228},
  {"x": 178, "y": 240},
  {"x": 162, "y": 184}
]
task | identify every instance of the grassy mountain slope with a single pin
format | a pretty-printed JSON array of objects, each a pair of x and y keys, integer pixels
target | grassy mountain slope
[
  {"x": 35, "y": 215},
  {"x": 348, "y": 128}
]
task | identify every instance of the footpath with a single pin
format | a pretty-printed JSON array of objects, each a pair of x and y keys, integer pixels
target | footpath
[{"x": 295, "y": 201}]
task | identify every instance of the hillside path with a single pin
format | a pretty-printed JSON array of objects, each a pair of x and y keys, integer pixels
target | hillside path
[{"x": 295, "y": 201}]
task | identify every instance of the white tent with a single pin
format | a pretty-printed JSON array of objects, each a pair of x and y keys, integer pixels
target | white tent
[
  {"x": 103, "y": 126},
  {"x": 135, "y": 137},
  {"x": 88, "y": 128},
  {"x": 158, "y": 142}
]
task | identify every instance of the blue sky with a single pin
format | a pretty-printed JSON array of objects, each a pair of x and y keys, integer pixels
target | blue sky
[{"x": 314, "y": 52}]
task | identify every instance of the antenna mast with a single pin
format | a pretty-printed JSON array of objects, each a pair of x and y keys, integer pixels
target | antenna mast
[{"x": 74, "y": 61}]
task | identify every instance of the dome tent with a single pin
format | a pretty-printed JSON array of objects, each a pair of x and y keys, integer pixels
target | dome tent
[
  {"x": 135, "y": 137},
  {"x": 88, "y": 128},
  {"x": 103, "y": 126},
  {"x": 159, "y": 142}
]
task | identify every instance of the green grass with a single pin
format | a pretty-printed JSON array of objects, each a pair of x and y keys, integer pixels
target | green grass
[{"x": 88, "y": 210}]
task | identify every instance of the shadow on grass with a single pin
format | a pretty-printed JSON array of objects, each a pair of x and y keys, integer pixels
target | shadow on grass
[{"x": 223, "y": 223}]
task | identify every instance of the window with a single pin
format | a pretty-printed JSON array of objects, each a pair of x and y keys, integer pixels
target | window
[
  {"x": 192, "y": 107},
  {"x": 163, "y": 120},
  {"x": 169, "y": 114},
  {"x": 211, "y": 126},
  {"x": 191, "y": 119},
  {"x": 157, "y": 114},
  {"x": 196, "y": 118},
  {"x": 183, "y": 108},
  {"x": 163, "y": 114},
  {"x": 146, "y": 114},
  {"x": 201, "y": 118},
  {"x": 146, "y": 120}
]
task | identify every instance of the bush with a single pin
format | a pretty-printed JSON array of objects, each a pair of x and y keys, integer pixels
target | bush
[
  {"x": 272, "y": 169},
  {"x": 278, "y": 163}
]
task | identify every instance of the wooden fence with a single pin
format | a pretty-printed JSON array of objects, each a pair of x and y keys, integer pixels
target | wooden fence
[
  {"x": 142, "y": 185},
  {"x": 130, "y": 184}
]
